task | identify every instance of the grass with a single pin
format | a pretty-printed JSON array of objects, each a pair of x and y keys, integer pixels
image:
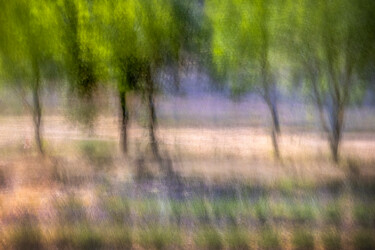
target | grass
[
  {"x": 333, "y": 213},
  {"x": 364, "y": 240},
  {"x": 303, "y": 239},
  {"x": 269, "y": 239},
  {"x": 364, "y": 214},
  {"x": 158, "y": 237},
  {"x": 262, "y": 210},
  {"x": 70, "y": 210},
  {"x": 118, "y": 210},
  {"x": 98, "y": 153},
  {"x": 304, "y": 213},
  {"x": 209, "y": 238},
  {"x": 27, "y": 236},
  {"x": 332, "y": 240},
  {"x": 78, "y": 237},
  {"x": 238, "y": 239}
]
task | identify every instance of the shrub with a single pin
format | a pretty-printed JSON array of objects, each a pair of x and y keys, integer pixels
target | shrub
[
  {"x": 364, "y": 240},
  {"x": 331, "y": 240},
  {"x": 160, "y": 238},
  {"x": 26, "y": 236},
  {"x": 118, "y": 209},
  {"x": 333, "y": 213},
  {"x": 70, "y": 210},
  {"x": 303, "y": 213},
  {"x": 303, "y": 240},
  {"x": 238, "y": 239},
  {"x": 79, "y": 237},
  {"x": 262, "y": 211},
  {"x": 99, "y": 153},
  {"x": 209, "y": 238},
  {"x": 118, "y": 238},
  {"x": 364, "y": 215},
  {"x": 269, "y": 239}
]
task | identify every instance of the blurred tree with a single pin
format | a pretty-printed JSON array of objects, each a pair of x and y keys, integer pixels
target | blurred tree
[
  {"x": 28, "y": 41},
  {"x": 82, "y": 57},
  {"x": 118, "y": 25},
  {"x": 333, "y": 41},
  {"x": 242, "y": 47}
]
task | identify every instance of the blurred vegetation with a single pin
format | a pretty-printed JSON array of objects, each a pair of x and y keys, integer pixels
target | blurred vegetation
[{"x": 139, "y": 50}]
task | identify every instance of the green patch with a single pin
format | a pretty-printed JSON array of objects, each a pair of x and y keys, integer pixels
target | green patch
[
  {"x": 303, "y": 240},
  {"x": 160, "y": 238},
  {"x": 209, "y": 238},
  {"x": 332, "y": 240},
  {"x": 364, "y": 240},
  {"x": 269, "y": 239},
  {"x": 238, "y": 239},
  {"x": 98, "y": 153}
]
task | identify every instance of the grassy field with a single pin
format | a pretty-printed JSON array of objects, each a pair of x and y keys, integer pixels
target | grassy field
[{"x": 229, "y": 193}]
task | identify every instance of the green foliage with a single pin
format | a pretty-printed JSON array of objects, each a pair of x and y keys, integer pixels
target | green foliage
[
  {"x": 99, "y": 153},
  {"x": 364, "y": 240},
  {"x": 158, "y": 237},
  {"x": 118, "y": 209},
  {"x": 78, "y": 237},
  {"x": 332, "y": 240},
  {"x": 269, "y": 239},
  {"x": 26, "y": 236},
  {"x": 238, "y": 239},
  {"x": 262, "y": 210},
  {"x": 209, "y": 238},
  {"x": 364, "y": 214},
  {"x": 333, "y": 213},
  {"x": 303, "y": 240},
  {"x": 304, "y": 212},
  {"x": 70, "y": 210},
  {"x": 117, "y": 238}
]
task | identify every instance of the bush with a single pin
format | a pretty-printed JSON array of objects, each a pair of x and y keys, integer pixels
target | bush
[
  {"x": 364, "y": 215},
  {"x": 333, "y": 213},
  {"x": 303, "y": 213},
  {"x": 303, "y": 240},
  {"x": 238, "y": 239},
  {"x": 209, "y": 238},
  {"x": 200, "y": 211},
  {"x": 269, "y": 239},
  {"x": 262, "y": 211},
  {"x": 26, "y": 237},
  {"x": 99, "y": 153},
  {"x": 332, "y": 241},
  {"x": 160, "y": 238},
  {"x": 70, "y": 210},
  {"x": 79, "y": 237},
  {"x": 118, "y": 238},
  {"x": 118, "y": 209},
  {"x": 364, "y": 240}
]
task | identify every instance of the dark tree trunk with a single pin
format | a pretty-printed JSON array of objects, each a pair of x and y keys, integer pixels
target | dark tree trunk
[
  {"x": 275, "y": 125},
  {"x": 37, "y": 115},
  {"x": 337, "y": 118},
  {"x": 124, "y": 122},
  {"x": 152, "y": 122}
]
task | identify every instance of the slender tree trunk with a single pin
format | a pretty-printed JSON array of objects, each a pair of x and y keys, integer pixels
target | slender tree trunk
[
  {"x": 275, "y": 125},
  {"x": 152, "y": 123},
  {"x": 124, "y": 122},
  {"x": 37, "y": 115},
  {"x": 337, "y": 118}
]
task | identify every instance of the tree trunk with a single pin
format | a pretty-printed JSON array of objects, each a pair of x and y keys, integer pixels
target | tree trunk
[
  {"x": 275, "y": 126},
  {"x": 124, "y": 123},
  {"x": 37, "y": 115},
  {"x": 337, "y": 118},
  {"x": 152, "y": 122}
]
